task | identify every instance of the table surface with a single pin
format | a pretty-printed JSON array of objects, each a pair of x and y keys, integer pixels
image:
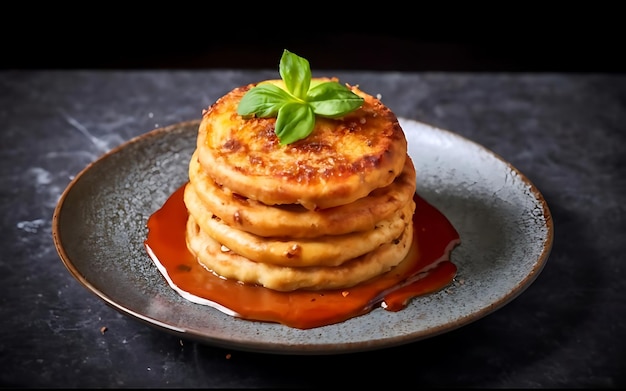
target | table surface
[{"x": 565, "y": 132}]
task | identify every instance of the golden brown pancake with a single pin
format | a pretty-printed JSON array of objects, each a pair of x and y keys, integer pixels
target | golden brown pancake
[
  {"x": 323, "y": 250},
  {"x": 343, "y": 160},
  {"x": 326, "y": 212},
  {"x": 225, "y": 263},
  {"x": 294, "y": 220}
]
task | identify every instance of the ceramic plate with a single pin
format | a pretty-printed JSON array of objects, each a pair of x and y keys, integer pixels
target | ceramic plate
[{"x": 99, "y": 228}]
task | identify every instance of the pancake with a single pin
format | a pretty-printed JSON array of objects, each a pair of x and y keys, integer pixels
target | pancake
[
  {"x": 329, "y": 211},
  {"x": 323, "y": 250},
  {"x": 294, "y": 220},
  {"x": 227, "y": 264},
  {"x": 344, "y": 159}
]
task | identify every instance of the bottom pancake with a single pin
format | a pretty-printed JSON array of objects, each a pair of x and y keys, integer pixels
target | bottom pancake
[{"x": 225, "y": 263}]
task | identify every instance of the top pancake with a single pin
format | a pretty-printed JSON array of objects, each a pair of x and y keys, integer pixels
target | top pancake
[{"x": 343, "y": 159}]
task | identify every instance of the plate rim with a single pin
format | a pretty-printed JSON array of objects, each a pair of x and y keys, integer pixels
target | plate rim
[{"x": 296, "y": 349}]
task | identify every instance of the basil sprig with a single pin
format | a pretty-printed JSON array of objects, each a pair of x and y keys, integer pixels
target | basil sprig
[{"x": 296, "y": 107}]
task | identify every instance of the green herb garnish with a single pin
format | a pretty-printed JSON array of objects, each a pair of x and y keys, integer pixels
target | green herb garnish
[{"x": 296, "y": 107}]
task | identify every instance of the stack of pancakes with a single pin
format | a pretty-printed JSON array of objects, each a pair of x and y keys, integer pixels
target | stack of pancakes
[{"x": 326, "y": 212}]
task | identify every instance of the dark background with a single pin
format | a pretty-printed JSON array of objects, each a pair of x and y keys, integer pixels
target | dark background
[{"x": 443, "y": 36}]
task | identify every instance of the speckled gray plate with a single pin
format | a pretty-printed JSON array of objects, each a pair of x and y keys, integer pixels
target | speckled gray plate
[{"x": 99, "y": 228}]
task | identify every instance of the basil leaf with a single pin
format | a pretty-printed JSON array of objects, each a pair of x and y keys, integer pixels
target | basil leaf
[
  {"x": 296, "y": 72},
  {"x": 297, "y": 103},
  {"x": 332, "y": 99},
  {"x": 295, "y": 121},
  {"x": 264, "y": 100}
]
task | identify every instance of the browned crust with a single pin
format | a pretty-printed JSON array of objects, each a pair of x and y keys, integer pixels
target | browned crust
[{"x": 341, "y": 161}]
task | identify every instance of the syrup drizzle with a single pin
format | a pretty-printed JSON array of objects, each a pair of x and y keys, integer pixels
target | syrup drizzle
[{"x": 427, "y": 270}]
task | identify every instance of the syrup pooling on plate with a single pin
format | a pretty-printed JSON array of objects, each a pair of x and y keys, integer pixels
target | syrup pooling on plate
[{"x": 427, "y": 269}]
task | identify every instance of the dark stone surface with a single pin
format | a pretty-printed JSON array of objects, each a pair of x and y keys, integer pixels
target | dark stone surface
[{"x": 565, "y": 132}]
